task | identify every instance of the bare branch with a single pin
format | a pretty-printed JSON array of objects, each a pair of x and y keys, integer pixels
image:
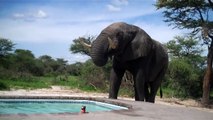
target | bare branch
[{"x": 211, "y": 3}]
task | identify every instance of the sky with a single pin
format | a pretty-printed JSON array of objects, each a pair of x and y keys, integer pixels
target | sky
[{"x": 48, "y": 27}]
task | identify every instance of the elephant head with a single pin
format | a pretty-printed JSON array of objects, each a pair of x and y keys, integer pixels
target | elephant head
[{"x": 121, "y": 40}]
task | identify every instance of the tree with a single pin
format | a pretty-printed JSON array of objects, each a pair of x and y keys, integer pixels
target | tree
[
  {"x": 95, "y": 76},
  {"x": 24, "y": 60},
  {"x": 48, "y": 63},
  {"x": 61, "y": 61},
  {"x": 78, "y": 47},
  {"x": 62, "y": 65},
  {"x": 193, "y": 15},
  {"x": 52, "y": 66},
  {"x": 187, "y": 48},
  {"x": 39, "y": 68},
  {"x": 45, "y": 58},
  {"x": 75, "y": 69},
  {"x": 5, "y": 46},
  {"x": 186, "y": 66}
]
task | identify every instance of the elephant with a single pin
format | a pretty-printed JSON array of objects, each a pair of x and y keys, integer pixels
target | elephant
[{"x": 132, "y": 49}]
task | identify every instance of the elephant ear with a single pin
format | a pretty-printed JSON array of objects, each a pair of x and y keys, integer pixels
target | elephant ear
[{"x": 139, "y": 46}]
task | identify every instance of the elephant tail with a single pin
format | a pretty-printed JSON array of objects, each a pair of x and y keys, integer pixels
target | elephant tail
[{"x": 161, "y": 92}]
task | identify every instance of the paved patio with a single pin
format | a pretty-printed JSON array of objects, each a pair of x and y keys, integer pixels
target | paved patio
[{"x": 137, "y": 111}]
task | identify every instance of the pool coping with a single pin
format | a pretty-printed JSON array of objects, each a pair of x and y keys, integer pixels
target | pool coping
[
  {"x": 104, "y": 100},
  {"x": 137, "y": 111}
]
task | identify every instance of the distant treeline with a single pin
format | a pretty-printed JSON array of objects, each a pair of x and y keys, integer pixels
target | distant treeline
[{"x": 183, "y": 79}]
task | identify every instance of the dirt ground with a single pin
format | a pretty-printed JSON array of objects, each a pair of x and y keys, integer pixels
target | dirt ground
[{"x": 63, "y": 91}]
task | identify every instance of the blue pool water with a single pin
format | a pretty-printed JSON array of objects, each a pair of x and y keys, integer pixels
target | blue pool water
[{"x": 43, "y": 106}]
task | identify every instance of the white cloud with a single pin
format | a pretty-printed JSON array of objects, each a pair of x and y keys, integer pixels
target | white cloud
[
  {"x": 18, "y": 16},
  {"x": 61, "y": 25},
  {"x": 40, "y": 14},
  {"x": 67, "y": 24},
  {"x": 120, "y": 2},
  {"x": 113, "y": 8},
  {"x": 29, "y": 16},
  {"x": 48, "y": 31},
  {"x": 116, "y": 5}
]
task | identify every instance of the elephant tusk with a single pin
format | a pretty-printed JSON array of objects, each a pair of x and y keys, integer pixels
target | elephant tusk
[
  {"x": 112, "y": 45},
  {"x": 87, "y": 45},
  {"x": 84, "y": 44}
]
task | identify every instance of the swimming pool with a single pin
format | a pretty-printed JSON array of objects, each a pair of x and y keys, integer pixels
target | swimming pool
[{"x": 46, "y": 106}]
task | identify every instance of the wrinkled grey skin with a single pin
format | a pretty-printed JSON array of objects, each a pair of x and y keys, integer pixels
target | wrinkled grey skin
[{"x": 136, "y": 52}]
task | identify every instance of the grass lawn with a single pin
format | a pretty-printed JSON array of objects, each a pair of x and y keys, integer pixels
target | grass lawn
[
  {"x": 72, "y": 82},
  {"x": 44, "y": 82}
]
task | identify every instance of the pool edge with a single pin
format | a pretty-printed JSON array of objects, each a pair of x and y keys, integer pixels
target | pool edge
[{"x": 105, "y": 100}]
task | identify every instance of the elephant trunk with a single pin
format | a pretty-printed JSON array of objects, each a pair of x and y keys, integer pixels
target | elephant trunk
[{"x": 99, "y": 50}]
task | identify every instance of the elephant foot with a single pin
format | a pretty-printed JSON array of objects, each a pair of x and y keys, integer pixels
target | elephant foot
[
  {"x": 112, "y": 97},
  {"x": 139, "y": 100},
  {"x": 151, "y": 100}
]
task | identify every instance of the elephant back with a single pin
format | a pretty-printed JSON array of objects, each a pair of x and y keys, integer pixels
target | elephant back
[
  {"x": 140, "y": 46},
  {"x": 159, "y": 61},
  {"x": 161, "y": 51}
]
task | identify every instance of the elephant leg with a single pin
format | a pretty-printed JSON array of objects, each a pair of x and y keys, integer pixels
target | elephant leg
[
  {"x": 139, "y": 85},
  {"x": 146, "y": 91},
  {"x": 154, "y": 88},
  {"x": 155, "y": 85},
  {"x": 115, "y": 82},
  {"x": 136, "y": 93}
]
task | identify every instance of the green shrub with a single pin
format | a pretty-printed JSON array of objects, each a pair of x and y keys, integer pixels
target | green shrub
[
  {"x": 4, "y": 86},
  {"x": 95, "y": 76},
  {"x": 184, "y": 79}
]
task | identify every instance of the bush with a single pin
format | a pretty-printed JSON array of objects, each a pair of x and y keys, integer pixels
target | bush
[
  {"x": 75, "y": 69},
  {"x": 95, "y": 76},
  {"x": 184, "y": 79},
  {"x": 98, "y": 78},
  {"x": 4, "y": 86}
]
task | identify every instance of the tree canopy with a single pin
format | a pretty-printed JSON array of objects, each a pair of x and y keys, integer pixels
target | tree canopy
[
  {"x": 6, "y": 46},
  {"x": 186, "y": 66},
  {"x": 194, "y": 15},
  {"x": 78, "y": 47},
  {"x": 190, "y": 14}
]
